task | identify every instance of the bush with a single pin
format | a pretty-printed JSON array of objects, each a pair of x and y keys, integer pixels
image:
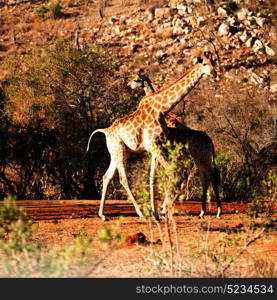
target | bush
[
  {"x": 53, "y": 99},
  {"x": 241, "y": 124},
  {"x": 230, "y": 6},
  {"x": 54, "y": 8},
  {"x": 21, "y": 257},
  {"x": 41, "y": 11},
  {"x": 15, "y": 226}
]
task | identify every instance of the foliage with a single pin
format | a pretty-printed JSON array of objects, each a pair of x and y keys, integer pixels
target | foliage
[
  {"x": 54, "y": 8},
  {"x": 230, "y": 6},
  {"x": 111, "y": 236},
  {"x": 242, "y": 128},
  {"x": 15, "y": 225},
  {"x": 41, "y": 11},
  {"x": 21, "y": 257},
  {"x": 53, "y": 99}
]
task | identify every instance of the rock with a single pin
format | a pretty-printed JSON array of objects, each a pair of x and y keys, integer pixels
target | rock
[
  {"x": 242, "y": 14},
  {"x": 260, "y": 21},
  {"x": 160, "y": 54},
  {"x": 231, "y": 21},
  {"x": 150, "y": 15},
  {"x": 174, "y": 3},
  {"x": 151, "y": 47},
  {"x": 182, "y": 8},
  {"x": 273, "y": 88},
  {"x": 223, "y": 29},
  {"x": 201, "y": 20},
  {"x": 113, "y": 20},
  {"x": 134, "y": 47},
  {"x": 255, "y": 78},
  {"x": 243, "y": 37},
  {"x": 247, "y": 23},
  {"x": 269, "y": 51},
  {"x": 177, "y": 30},
  {"x": 167, "y": 33},
  {"x": 222, "y": 12},
  {"x": 164, "y": 12},
  {"x": 192, "y": 21},
  {"x": 258, "y": 45}
]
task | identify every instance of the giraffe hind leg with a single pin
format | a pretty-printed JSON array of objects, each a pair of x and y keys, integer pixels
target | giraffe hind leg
[
  {"x": 106, "y": 180},
  {"x": 215, "y": 184},
  {"x": 205, "y": 178},
  {"x": 121, "y": 159}
]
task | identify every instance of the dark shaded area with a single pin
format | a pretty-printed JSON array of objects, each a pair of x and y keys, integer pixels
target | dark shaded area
[{"x": 42, "y": 154}]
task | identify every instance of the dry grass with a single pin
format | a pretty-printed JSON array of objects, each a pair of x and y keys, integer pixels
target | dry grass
[{"x": 201, "y": 252}]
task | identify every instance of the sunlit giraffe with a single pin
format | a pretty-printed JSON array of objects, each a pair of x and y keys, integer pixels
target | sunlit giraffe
[
  {"x": 140, "y": 130},
  {"x": 200, "y": 147}
]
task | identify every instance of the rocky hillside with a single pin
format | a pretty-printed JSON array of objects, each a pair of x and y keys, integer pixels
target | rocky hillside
[
  {"x": 157, "y": 36},
  {"x": 48, "y": 115}
]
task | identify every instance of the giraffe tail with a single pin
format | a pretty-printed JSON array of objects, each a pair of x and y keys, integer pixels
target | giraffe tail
[{"x": 95, "y": 131}]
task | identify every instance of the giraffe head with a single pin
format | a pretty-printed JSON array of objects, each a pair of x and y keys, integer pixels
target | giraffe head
[
  {"x": 204, "y": 58},
  {"x": 142, "y": 81}
]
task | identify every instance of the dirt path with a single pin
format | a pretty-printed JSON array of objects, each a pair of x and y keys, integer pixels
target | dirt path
[{"x": 72, "y": 209}]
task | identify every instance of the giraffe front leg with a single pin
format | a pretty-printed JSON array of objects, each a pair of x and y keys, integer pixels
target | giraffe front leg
[
  {"x": 152, "y": 179},
  {"x": 170, "y": 173}
]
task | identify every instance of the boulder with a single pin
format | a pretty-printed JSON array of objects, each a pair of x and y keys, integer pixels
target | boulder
[
  {"x": 164, "y": 12},
  {"x": 222, "y": 12},
  {"x": 242, "y": 14},
  {"x": 273, "y": 88},
  {"x": 269, "y": 51},
  {"x": 182, "y": 8},
  {"x": 258, "y": 45},
  {"x": 223, "y": 29},
  {"x": 260, "y": 21}
]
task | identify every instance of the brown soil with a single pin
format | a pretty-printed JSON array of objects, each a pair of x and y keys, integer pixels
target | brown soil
[
  {"x": 64, "y": 209},
  {"x": 58, "y": 223}
]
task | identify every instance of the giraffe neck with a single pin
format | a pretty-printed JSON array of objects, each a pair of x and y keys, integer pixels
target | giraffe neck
[{"x": 173, "y": 94}]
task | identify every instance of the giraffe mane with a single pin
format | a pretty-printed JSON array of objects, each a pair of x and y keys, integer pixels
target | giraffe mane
[{"x": 168, "y": 86}]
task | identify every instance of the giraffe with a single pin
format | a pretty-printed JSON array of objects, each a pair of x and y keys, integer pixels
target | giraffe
[
  {"x": 200, "y": 147},
  {"x": 139, "y": 130}
]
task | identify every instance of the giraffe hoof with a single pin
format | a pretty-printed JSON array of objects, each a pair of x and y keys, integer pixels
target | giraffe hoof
[
  {"x": 155, "y": 215},
  {"x": 102, "y": 217}
]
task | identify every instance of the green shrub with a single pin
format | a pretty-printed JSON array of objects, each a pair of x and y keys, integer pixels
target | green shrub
[
  {"x": 21, "y": 257},
  {"x": 230, "y": 6},
  {"x": 54, "y": 98},
  {"x": 15, "y": 225},
  {"x": 56, "y": 10},
  {"x": 41, "y": 11}
]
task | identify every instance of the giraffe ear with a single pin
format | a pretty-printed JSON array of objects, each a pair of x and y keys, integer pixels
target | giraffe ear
[
  {"x": 200, "y": 60},
  {"x": 207, "y": 54}
]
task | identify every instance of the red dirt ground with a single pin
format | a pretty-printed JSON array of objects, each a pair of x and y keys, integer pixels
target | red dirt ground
[
  {"x": 64, "y": 209},
  {"x": 58, "y": 223}
]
